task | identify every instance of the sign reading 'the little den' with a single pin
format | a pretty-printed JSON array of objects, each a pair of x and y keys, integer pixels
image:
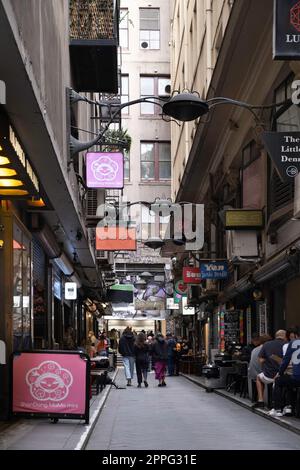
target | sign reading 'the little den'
[{"x": 284, "y": 150}]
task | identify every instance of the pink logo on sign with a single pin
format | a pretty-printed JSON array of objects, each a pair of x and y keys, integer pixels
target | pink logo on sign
[
  {"x": 104, "y": 170},
  {"x": 49, "y": 381}
]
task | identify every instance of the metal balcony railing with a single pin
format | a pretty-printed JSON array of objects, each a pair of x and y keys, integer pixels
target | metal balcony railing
[{"x": 94, "y": 19}]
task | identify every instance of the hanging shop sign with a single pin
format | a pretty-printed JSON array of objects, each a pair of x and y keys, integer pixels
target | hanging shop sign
[
  {"x": 244, "y": 219},
  {"x": 214, "y": 270},
  {"x": 120, "y": 293},
  {"x": 191, "y": 275},
  {"x": 186, "y": 310},
  {"x": 115, "y": 238},
  {"x": 286, "y": 30},
  {"x": 171, "y": 304},
  {"x": 48, "y": 383},
  {"x": 17, "y": 176},
  {"x": 180, "y": 287},
  {"x": 70, "y": 290},
  {"x": 284, "y": 151},
  {"x": 105, "y": 170}
]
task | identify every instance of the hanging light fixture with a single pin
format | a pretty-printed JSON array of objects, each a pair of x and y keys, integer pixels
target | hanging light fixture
[
  {"x": 13, "y": 192},
  {"x": 35, "y": 202},
  {"x": 146, "y": 275},
  {"x": 10, "y": 183},
  {"x": 4, "y": 160},
  {"x": 7, "y": 172}
]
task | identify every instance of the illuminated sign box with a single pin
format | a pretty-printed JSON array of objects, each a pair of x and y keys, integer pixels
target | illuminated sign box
[
  {"x": 23, "y": 181},
  {"x": 214, "y": 270},
  {"x": 115, "y": 238},
  {"x": 244, "y": 219},
  {"x": 70, "y": 291},
  {"x": 286, "y": 30},
  {"x": 191, "y": 275},
  {"x": 105, "y": 170}
]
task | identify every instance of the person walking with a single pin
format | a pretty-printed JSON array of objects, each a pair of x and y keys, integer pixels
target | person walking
[
  {"x": 126, "y": 349},
  {"x": 141, "y": 351},
  {"x": 160, "y": 356},
  {"x": 171, "y": 353}
]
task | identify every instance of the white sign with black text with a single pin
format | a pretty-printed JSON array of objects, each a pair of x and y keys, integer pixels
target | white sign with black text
[{"x": 70, "y": 291}]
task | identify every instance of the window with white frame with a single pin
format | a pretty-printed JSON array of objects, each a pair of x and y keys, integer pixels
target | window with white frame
[
  {"x": 125, "y": 92},
  {"x": 149, "y": 28},
  {"x": 123, "y": 28},
  {"x": 153, "y": 86},
  {"x": 155, "y": 161},
  {"x": 126, "y": 165}
]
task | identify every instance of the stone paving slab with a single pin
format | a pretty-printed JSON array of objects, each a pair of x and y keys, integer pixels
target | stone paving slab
[
  {"x": 42, "y": 434},
  {"x": 182, "y": 416},
  {"x": 291, "y": 423}
]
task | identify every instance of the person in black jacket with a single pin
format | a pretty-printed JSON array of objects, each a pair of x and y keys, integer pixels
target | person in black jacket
[
  {"x": 126, "y": 349},
  {"x": 141, "y": 351},
  {"x": 160, "y": 356}
]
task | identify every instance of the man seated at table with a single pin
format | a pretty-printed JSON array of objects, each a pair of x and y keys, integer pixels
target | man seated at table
[
  {"x": 269, "y": 365},
  {"x": 287, "y": 381}
]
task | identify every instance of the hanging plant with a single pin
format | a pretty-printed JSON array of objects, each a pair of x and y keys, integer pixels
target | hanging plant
[{"x": 116, "y": 139}]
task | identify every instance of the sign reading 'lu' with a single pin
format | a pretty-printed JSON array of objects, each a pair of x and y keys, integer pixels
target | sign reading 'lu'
[
  {"x": 284, "y": 150},
  {"x": 286, "y": 36}
]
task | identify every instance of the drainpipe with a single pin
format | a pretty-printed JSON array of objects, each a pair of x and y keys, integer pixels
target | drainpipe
[{"x": 209, "y": 67}]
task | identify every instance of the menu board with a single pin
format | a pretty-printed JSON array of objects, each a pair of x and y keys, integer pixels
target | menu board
[{"x": 232, "y": 326}]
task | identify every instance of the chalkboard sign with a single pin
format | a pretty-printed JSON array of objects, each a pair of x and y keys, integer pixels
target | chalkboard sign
[{"x": 232, "y": 326}]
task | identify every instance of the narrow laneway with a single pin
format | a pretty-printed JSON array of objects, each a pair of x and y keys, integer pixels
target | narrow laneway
[{"x": 182, "y": 416}]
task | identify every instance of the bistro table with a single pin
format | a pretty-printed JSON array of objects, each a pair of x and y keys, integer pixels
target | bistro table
[{"x": 190, "y": 364}]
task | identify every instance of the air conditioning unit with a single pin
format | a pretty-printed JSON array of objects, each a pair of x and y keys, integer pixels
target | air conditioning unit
[
  {"x": 94, "y": 206},
  {"x": 242, "y": 246}
]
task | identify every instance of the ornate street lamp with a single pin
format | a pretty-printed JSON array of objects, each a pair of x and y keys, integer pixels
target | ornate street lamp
[{"x": 182, "y": 106}]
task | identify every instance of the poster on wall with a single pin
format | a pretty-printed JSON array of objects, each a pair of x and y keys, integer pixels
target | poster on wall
[
  {"x": 262, "y": 318},
  {"x": 54, "y": 384},
  {"x": 232, "y": 326}
]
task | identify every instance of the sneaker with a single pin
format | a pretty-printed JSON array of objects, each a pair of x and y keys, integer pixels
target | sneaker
[
  {"x": 146, "y": 383},
  {"x": 128, "y": 383},
  {"x": 287, "y": 410},
  {"x": 258, "y": 404},
  {"x": 275, "y": 413}
]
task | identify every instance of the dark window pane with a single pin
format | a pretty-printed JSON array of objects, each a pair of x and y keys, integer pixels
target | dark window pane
[
  {"x": 164, "y": 170},
  {"x": 147, "y": 170},
  {"x": 164, "y": 152}
]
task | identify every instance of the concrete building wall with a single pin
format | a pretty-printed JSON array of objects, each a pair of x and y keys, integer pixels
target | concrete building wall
[
  {"x": 44, "y": 29},
  {"x": 197, "y": 30},
  {"x": 135, "y": 62}
]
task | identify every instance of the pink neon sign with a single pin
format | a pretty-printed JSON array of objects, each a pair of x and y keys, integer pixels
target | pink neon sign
[
  {"x": 49, "y": 383},
  {"x": 105, "y": 170}
]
